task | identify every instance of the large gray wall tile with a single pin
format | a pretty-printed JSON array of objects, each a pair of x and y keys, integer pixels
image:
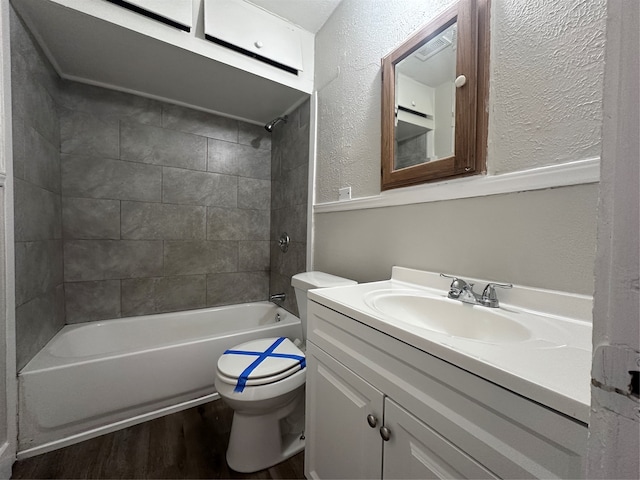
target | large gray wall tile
[
  {"x": 84, "y": 176},
  {"x": 86, "y": 134},
  {"x": 167, "y": 294},
  {"x": 38, "y": 213},
  {"x": 24, "y": 44},
  {"x": 292, "y": 220},
  {"x": 277, "y": 194},
  {"x": 157, "y": 221},
  {"x": 199, "y": 188},
  {"x": 111, "y": 259},
  {"x": 41, "y": 161},
  {"x": 254, "y": 194},
  {"x": 90, "y": 301},
  {"x": 255, "y": 136},
  {"x": 253, "y": 256},
  {"x": 38, "y": 268},
  {"x": 36, "y": 322},
  {"x": 230, "y": 288},
  {"x": 295, "y": 185},
  {"x": 279, "y": 283},
  {"x": 235, "y": 159},
  {"x": 159, "y": 146},
  {"x": 89, "y": 218},
  {"x": 110, "y": 104},
  {"x": 200, "y": 123},
  {"x": 236, "y": 224},
  {"x": 199, "y": 257},
  {"x": 19, "y": 133},
  {"x": 31, "y": 100}
]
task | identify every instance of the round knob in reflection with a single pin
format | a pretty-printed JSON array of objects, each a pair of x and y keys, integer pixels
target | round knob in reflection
[
  {"x": 385, "y": 433},
  {"x": 460, "y": 81},
  {"x": 372, "y": 421}
]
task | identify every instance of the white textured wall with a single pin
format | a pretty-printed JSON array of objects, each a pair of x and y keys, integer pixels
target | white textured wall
[{"x": 545, "y": 85}]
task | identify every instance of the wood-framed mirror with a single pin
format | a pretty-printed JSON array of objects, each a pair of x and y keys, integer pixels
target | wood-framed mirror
[{"x": 434, "y": 99}]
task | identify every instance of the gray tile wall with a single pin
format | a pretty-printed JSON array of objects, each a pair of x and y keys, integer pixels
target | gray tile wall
[
  {"x": 164, "y": 208},
  {"x": 38, "y": 206},
  {"x": 289, "y": 187},
  {"x": 411, "y": 151}
]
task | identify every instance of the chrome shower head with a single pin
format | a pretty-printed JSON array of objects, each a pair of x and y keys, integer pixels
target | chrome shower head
[{"x": 269, "y": 126}]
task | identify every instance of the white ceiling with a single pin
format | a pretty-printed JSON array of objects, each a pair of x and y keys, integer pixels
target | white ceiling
[{"x": 308, "y": 14}]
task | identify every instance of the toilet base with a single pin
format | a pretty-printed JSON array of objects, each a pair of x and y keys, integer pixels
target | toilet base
[{"x": 261, "y": 441}]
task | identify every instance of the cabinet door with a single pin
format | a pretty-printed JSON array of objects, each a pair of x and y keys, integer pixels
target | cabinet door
[
  {"x": 261, "y": 33},
  {"x": 340, "y": 442},
  {"x": 414, "y": 95},
  {"x": 416, "y": 451}
]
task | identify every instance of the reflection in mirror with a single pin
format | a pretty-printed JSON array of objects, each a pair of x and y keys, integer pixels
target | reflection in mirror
[{"x": 425, "y": 102}]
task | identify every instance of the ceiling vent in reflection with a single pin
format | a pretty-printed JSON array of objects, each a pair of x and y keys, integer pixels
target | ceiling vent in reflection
[{"x": 437, "y": 44}]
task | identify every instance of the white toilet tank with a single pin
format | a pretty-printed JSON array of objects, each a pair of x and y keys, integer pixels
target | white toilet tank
[{"x": 305, "y": 281}]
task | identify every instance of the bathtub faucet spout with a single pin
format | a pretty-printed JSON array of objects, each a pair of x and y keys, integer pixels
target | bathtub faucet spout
[{"x": 277, "y": 297}]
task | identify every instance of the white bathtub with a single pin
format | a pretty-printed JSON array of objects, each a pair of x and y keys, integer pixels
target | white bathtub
[{"x": 98, "y": 377}]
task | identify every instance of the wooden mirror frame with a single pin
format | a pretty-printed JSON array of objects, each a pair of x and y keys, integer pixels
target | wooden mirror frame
[{"x": 472, "y": 60}]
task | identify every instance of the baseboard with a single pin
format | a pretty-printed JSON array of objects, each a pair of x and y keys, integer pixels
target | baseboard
[{"x": 112, "y": 427}]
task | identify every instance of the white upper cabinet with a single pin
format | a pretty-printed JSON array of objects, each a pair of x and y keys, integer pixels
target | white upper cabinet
[
  {"x": 178, "y": 11},
  {"x": 255, "y": 31},
  {"x": 414, "y": 96}
]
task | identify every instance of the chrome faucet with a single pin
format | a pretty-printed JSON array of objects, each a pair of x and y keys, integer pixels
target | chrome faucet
[
  {"x": 277, "y": 297},
  {"x": 463, "y": 291}
]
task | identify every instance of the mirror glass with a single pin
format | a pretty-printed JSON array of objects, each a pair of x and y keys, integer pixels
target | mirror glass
[{"x": 425, "y": 102}]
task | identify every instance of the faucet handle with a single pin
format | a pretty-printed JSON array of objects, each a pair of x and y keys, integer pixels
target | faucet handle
[
  {"x": 489, "y": 297},
  {"x": 457, "y": 286}
]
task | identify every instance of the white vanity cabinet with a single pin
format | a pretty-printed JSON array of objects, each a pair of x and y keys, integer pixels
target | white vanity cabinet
[
  {"x": 340, "y": 405},
  {"x": 363, "y": 434},
  {"x": 441, "y": 421}
]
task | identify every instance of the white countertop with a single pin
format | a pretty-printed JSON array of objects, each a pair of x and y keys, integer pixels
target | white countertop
[{"x": 552, "y": 367}]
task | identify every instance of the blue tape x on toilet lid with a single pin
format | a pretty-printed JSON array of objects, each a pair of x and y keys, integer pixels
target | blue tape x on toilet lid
[{"x": 232, "y": 365}]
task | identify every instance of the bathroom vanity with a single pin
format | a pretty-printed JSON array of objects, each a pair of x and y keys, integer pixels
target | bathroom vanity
[{"x": 389, "y": 397}]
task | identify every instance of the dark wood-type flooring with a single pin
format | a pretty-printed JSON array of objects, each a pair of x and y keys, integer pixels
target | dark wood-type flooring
[{"x": 187, "y": 444}]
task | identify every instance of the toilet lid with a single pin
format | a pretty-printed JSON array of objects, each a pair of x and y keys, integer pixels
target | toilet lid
[{"x": 259, "y": 362}]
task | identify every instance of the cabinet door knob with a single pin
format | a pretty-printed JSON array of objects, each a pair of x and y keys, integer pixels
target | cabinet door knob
[
  {"x": 258, "y": 44},
  {"x": 385, "y": 433},
  {"x": 460, "y": 81},
  {"x": 372, "y": 421}
]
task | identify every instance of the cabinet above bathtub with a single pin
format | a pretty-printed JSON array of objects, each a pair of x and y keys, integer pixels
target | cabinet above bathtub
[{"x": 166, "y": 50}]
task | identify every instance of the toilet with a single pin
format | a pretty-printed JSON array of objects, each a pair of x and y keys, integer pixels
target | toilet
[{"x": 263, "y": 382}]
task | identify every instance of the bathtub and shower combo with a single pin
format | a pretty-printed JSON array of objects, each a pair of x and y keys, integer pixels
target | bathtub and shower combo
[{"x": 98, "y": 377}]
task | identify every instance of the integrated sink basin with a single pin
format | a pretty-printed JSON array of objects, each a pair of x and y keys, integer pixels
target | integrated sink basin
[{"x": 448, "y": 317}]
